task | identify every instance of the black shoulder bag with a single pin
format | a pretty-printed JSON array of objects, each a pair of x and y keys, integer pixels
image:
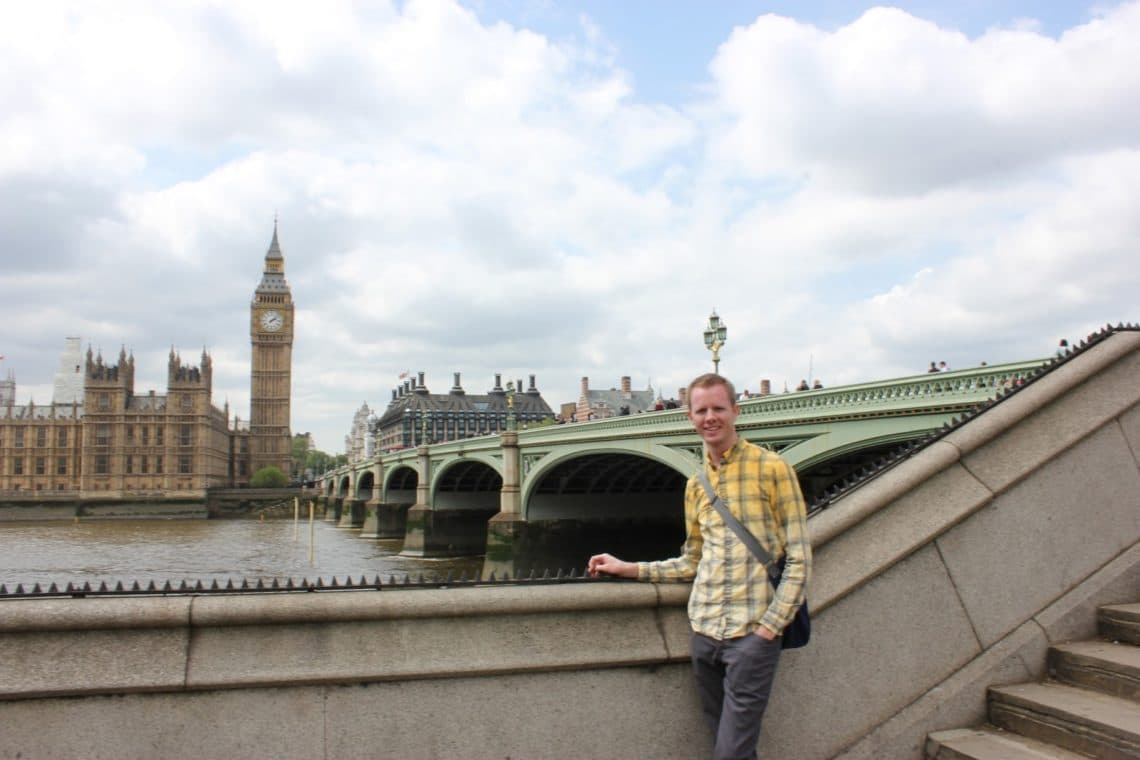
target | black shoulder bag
[{"x": 798, "y": 631}]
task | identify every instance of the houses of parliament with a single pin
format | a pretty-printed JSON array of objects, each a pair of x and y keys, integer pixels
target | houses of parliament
[{"x": 98, "y": 438}]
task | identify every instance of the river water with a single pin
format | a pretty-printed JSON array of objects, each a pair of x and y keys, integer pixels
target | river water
[{"x": 109, "y": 551}]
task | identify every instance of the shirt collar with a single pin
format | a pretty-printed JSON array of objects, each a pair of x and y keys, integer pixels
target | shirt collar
[{"x": 728, "y": 456}]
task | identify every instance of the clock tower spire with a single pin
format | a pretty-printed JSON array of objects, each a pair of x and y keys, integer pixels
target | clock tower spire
[{"x": 270, "y": 387}]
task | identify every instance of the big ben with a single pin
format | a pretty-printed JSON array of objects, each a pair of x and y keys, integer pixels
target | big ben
[{"x": 271, "y": 336}]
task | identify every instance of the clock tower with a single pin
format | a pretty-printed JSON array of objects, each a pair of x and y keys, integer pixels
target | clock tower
[{"x": 271, "y": 336}]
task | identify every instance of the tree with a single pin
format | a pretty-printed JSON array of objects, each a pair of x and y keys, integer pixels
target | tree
[
  {"x": 299, "y": 454},
  {"x": 268, "y": 477}
]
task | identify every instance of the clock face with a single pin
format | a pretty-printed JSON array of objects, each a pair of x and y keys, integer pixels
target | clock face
[{"x": 271, "y": 320}]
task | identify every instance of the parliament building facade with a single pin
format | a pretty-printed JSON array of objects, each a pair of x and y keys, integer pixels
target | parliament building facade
[{"x": 99, "y": 439}]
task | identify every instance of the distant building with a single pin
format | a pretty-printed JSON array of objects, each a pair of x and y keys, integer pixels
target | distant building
[
  {"x": 415, "y": 416},
  {"x": 358, "y": 444},
  {"x": 68, "y": 387},
  {"x": 112, "y": 442},
  {"x": 8, "y": 390},
  {"x": 597, "y": 405},
  {"x": 98, "y": 437}
]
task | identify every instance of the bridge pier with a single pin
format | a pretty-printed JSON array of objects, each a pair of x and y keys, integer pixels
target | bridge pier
[
  {"x": 332, "y": 510},
  {"x": 384, "y": 520},
  {"x": 351, "y": 514},
  {"x": 392, "y": 520},
  {"x": 506, "y": 537},
  {"x": 444, "y": 532},
  {"x": 370, "y": 527}
]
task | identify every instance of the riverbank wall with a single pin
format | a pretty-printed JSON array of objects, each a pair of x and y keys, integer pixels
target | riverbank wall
[
  {"x": 216, "y": 503},
  {"x": 950, "y": 572},
  {"x": 142, "y": 508}
]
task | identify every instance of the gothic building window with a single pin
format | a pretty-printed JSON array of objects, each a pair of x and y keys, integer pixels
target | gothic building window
[
  {"x": 61, "y": 466},
  {"x": 102, "y": 434},
  {"x": 158, "y": 465},
  {"x": 184, "y": 436},
  {"x": 41, "y": 437},
  {"x": 101, "y": 467},
  {"x": 61, "y": 441},
  {"x": 41, "y": 466},
  {"x": 184, "y": 464},
  {"x": 18, "y": 466},
  {"x": 19, "y": 440}
]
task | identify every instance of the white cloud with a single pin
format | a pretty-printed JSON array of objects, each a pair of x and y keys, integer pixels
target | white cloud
[{"x": 462, "y": 196}]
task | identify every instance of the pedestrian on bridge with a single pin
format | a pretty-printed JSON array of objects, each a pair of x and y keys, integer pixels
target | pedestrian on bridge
[{"x": 736, "y": 616}]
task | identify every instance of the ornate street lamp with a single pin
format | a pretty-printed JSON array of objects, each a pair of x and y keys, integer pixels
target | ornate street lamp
[{"x": 716, "y": 334}]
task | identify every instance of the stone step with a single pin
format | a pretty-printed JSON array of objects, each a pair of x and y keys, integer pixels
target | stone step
[
  {"x": 1079, "y": 720},
  {"x": 1105, "y": 666},
  {"x": 989, "y": 743},
  {"x": 1119, "y": 622}
]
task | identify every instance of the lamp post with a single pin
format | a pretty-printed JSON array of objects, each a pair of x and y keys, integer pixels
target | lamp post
[
  {"x": 511, "y": 424},
  {"x": 716, "y": 334}
]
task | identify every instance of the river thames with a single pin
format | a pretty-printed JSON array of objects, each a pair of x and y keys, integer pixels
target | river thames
[{"x": 176, "y": 550}]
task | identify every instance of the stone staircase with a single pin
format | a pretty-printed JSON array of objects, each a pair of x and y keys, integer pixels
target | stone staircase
[{"x": 1088, "y": 707}]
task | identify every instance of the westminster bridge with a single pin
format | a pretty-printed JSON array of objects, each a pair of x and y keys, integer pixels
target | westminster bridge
[{"x": 549, "y": 497}]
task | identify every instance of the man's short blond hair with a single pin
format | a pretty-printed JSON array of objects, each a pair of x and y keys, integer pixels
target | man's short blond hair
[{"x": 708, "y": 380}]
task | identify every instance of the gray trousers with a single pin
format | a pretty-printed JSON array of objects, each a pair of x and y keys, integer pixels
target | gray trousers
[{"x": 734, "y": 678}]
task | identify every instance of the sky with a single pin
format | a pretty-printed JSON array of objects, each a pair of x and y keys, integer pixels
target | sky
[{"x": 564, "y": 189}]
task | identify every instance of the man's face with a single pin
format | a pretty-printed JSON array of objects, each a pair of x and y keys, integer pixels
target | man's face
[{"x": 713, "y": 414}]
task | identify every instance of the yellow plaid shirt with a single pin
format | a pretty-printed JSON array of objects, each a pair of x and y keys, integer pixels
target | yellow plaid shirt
[{"x": 731, "y": 595}]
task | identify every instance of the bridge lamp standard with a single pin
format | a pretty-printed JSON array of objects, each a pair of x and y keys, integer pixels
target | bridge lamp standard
[
  {"x": 716, "y": 335},
  {"x": 512, "y": 424}
]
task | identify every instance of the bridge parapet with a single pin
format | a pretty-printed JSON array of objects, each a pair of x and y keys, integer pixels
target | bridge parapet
[{"x": 925, "y": 394}]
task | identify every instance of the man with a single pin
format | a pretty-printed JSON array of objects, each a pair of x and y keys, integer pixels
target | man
[{"x": 736, "y": 618}]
